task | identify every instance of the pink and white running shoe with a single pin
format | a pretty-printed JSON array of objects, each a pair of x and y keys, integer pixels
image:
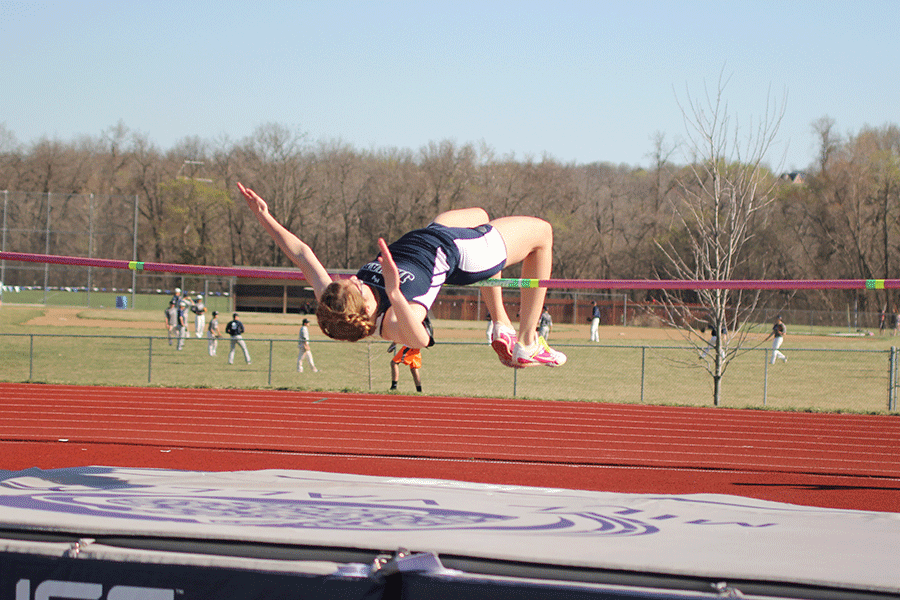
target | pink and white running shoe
[
  {"x": 540, "y": 354},
  {"x": 503, "y": 340}
]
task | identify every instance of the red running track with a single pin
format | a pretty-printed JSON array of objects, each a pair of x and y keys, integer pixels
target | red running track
[{"x": 828, "y": 460}]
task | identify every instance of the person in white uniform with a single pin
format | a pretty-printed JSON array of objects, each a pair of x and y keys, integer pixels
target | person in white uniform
[
  {"x": 777, "y": 335},
  {"x": 305, "y": 352},
  {"x": 199, "y": 310}
]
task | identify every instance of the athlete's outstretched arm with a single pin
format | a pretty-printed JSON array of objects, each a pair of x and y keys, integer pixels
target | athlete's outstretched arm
[
  {"x": 297, "y": 250},
  {"x": 403, "y": 322}
]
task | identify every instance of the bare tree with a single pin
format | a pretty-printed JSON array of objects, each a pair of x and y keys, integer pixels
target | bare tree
[
  {"x": 395, "y": 195},
  {"x": 11, "y": 159},
  {"x": 723, "y": 189},
  {"x": 448, "y": 169},
  {"x": 275, "y": 161},
  {"x": 855, "y": 204},
  {"x": 504, "y": 186},
  {"x": 662, "y": 168},
  {"x": 148, "y": 170},
  {"x": 828, "y": 142},
  {"x": 342, "y": 182}
]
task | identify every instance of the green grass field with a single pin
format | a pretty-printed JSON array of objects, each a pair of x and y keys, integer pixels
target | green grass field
[{"x": 108, "y": 346}]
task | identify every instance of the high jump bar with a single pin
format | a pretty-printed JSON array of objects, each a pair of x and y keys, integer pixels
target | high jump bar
[{"x": 614, "y": 284}]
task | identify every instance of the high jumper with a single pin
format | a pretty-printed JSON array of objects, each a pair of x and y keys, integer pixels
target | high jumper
[{"x": 391, "y": 294}]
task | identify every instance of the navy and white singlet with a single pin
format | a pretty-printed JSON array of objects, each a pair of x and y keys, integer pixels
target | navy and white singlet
[{"x": 430, "y": 257}]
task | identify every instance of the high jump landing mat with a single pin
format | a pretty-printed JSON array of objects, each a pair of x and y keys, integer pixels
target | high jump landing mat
[{"x": 153, "y": 534}]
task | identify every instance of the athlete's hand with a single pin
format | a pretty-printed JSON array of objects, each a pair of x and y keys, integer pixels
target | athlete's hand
[
  {"x": 256, "y": 204},
  {"x": 403, "y": 322},
  {"x": 388, "y": 268}
]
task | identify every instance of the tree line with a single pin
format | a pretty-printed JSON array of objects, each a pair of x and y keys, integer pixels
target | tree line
[{"x": 840, "y": 219}]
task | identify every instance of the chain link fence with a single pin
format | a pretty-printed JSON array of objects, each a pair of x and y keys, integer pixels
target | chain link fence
[
  {"x": 89, "y": 225},
  {"x": 812, "y": 379},
  {"x": 92, "y": 226}
]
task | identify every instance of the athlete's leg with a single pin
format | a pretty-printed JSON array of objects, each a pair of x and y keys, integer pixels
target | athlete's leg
[
  {"x": 529, "y": 241},
  {"x": 492, "y": 296},
  {"x": 493, "y": 300},
  {"x": 395, "y": 374},
  {"x": 473, "y": 217},
  {"x": 463, "y": 217}
]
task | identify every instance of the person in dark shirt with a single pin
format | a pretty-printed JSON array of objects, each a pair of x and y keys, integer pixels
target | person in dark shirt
[
  {"x": 595, "y": 321},
  {"x": 777, "y": 335},
  {"x": 236, "y": 330},
  {"x": 545, "y": 323}
]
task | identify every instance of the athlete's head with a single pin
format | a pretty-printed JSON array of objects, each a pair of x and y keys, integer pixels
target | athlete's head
[{"x": 342, "y": 313}]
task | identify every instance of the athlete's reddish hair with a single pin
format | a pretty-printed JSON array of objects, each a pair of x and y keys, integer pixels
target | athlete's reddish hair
[{"x": 342, "y": 313}]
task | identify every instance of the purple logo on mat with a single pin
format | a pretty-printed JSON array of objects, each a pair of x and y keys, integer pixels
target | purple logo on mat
[{"x": 317, "y": 512}]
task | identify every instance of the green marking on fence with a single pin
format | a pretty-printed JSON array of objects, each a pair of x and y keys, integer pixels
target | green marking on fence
[{"x": 508, "y": 283}]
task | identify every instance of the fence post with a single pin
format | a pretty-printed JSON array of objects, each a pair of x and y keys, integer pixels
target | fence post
[
  {"x": 3, "y": 242},
  {"x": 574, "y": 307},
  {"x": 271, "y": 342},
  {"x": 149, "y": 359},
  {"x": 90, "y": 270},
  {"x": 643, "y": 371},
  {"x": 134, "y": 252},
  {"x": 31, "y": 358},
  {"x": 47, "y": 250},
  {"x": 369, "y": 362},
  {"x": 892, "y": 380}
]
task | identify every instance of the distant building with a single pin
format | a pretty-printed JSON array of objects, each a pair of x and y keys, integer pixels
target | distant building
[{"x": 797, "y": 177}]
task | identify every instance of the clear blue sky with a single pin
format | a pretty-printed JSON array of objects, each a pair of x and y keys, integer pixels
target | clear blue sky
[{"x": 577, "y": 81}]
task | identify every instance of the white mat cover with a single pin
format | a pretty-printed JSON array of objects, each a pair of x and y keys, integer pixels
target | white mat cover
[{"x": 704, "y": 535}]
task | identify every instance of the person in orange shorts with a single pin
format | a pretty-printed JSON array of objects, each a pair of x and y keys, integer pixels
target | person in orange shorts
[{"x": 411, "y": 357}]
